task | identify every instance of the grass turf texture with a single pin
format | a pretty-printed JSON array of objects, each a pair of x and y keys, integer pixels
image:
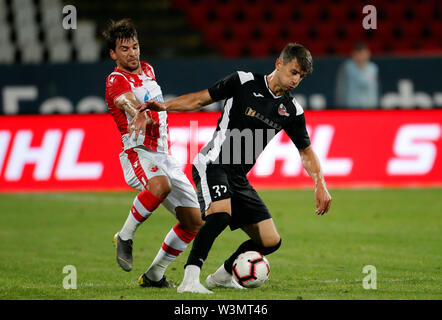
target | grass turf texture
[{"x": 399, "y": 231}]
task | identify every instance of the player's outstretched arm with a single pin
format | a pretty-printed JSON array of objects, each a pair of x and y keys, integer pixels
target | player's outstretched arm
[
  {"x": 311, "y": 164},
  {"x": 140, "y": 119},
  {"x": 187, "y": 102}
]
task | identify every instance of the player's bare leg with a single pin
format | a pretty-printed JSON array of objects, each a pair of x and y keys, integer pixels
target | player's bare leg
[
  {"x": 264, "y": 238},
  {"x": 175, "y": 242},
  {"x": 145, "y": 203},
  {"x": 217, "y": 219}
]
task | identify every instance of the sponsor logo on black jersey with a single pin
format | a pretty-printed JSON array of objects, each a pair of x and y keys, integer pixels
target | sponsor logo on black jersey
[{"x": 253, "y": 113}]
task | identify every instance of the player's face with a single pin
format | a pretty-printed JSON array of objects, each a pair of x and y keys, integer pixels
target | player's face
[
  {"x": 289, "y": 74},
  {"x": 127, "y": 54}
]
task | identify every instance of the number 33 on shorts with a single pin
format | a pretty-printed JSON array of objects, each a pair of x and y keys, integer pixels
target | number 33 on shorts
[{"x": 219, "y": 190}]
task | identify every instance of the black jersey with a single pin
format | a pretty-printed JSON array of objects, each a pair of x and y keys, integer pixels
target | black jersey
[{"x": 251, "y": 117}]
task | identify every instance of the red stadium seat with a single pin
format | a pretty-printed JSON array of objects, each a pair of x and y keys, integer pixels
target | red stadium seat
[
  {"x": 197, "y": 16},
  {"x": 316, "y": 47},
  {"x": 254, "y": 13},
  {"x": 214, "y": 34},
  {"x": 297, "y": 32},
  {"x": 270, "y": 30},
  {"x": 282, "y": 13},
  {"x": 375, "y": 46},
  {"x": 343, "y": 47},
  {"x": 232, "y": 49},
  {"x": 354, "y": 31},
  {"x": 327, "y": 31},
  {"x": 411, "y": 30},
  {"x": 395, "y": 12},
  {"x": 242, "y": 31},
  {"x": 311, "y": 12},
  {"x": 423, "y": 12},
  {"x": 226, "y": 12},
  {"x": 260, "y": 48},
  {"x": 338, "y": 13}
]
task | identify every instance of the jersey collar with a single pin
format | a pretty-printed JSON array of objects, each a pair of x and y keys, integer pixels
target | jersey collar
[{"x": 271, "y": 92}]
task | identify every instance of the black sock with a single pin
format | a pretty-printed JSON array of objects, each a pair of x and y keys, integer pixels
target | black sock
[
  {"x": 249, "y": 245},
  {"x": 212, "y": 228}
]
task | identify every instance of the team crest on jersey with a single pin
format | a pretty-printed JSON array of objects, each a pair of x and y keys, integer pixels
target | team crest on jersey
[
  {"x": 283, "y": 111},
  {"x": 154, "y": 169}
]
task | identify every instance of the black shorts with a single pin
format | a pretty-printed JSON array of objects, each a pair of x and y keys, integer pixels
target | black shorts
[{"x": 217, "y": 182}]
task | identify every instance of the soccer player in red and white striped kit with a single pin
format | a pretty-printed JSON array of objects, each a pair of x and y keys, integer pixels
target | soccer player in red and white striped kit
[{"x": 146, "y": 160}]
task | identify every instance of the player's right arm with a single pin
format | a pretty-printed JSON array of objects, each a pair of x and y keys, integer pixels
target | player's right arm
[{"x": 127, "y": 102}]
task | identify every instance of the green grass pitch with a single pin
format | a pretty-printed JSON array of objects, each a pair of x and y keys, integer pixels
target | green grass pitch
[{"x": 398, "y": 231}]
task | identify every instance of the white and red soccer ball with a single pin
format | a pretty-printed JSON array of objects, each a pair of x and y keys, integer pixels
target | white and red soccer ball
[{"x": 251, "y": 269}]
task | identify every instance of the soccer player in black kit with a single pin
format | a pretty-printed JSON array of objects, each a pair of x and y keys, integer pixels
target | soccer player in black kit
[{"x": 256, "y": 108}]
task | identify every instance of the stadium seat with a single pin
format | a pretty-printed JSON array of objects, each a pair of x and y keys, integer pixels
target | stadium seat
[
  {"x": 24, "y": 15},
  {"x": 214, "y": 34},
  {"x": 326, "y": 31},
  {"x": 311, "y": 12},
  {"x": 197, "y": 16},
  {"x": 60, "y": 52},
  {"x": 354, "y": 31},
  {"x": 226, "y": 13},
  {"x": 254, "y": 13},
  {"x": 85, "y": 32},
  {"x": 243, "y": 31},
  {"x": 56, "y": 4},
  {"x": 297, "y": 32},
  {"x": 259, "y": 48},
  {"x": 5, "y": 33},
  {"x": 394, "y": 12},
  {"x": 282, "y": 13},
  {"x": 88, "y": 51},
  {"x": 26, "y": 33},
  {"x": 54, "y": 34},
  {"x": 232, "y": 49},
  {"x": 270, "y": 30},
  {"x": 424, "y": 11},
  {"x": 31, "y": 52},
  {"x": 7, "y": 53},
  {"x": 337, "y": 13},
  {"x": 51, "y": 16},
  {"x": 343, "y": 48},
  {"x": 411, "y": 30},
  {"x": 316, "y": 47}
]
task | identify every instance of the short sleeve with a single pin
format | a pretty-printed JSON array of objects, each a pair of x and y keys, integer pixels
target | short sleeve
[
  {"x": 224, "y": 88},
  {"x": 116, "y": 85},
  {"x": 297, "y": 132}
]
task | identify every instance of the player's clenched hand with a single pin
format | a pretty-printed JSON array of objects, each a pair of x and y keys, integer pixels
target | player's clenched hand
[
  {"x": 139, "y": 123},
  {"x": 323, "y": 199},
  {"x": 153, "y": 105}
]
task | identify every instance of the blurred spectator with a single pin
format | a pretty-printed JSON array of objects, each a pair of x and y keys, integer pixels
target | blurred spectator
[{"x": 357, "y": 81}]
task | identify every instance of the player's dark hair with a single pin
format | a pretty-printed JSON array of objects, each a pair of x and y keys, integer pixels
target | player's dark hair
[
  {"x": 302, "y": 55},
  {"x": 119, "y": 30}
]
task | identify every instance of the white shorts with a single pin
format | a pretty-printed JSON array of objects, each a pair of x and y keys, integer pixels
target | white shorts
[{"x": 141, "y": 164}]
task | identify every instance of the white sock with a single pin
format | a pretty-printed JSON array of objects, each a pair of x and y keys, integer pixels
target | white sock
[
  {"x": 191, "y": 274},
  {"x": 176, "y": 241},
  {"x": 129, "y": 228},
  {"x": 142, "y": 207},
  {"x": 221, "y": 274}
]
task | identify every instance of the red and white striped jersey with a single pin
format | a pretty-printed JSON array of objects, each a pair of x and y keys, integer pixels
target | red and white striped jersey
[{"x": 144, "y": 87}]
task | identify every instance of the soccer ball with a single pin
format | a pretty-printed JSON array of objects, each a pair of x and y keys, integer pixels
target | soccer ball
[{"x": 251, "y": 269}]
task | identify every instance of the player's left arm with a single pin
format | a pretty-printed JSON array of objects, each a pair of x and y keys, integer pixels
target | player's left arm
[
  {"x": 188, "y": 102},
  {"x": 311, "y": 164}
]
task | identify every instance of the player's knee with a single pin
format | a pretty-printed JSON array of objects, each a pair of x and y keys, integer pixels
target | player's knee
[
  {"x": 272, "y": 246},
  {"x": 160, "y": 188}
]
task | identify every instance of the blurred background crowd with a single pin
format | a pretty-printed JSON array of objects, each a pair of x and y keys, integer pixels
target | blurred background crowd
[{"x": 192, "y": 43}]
